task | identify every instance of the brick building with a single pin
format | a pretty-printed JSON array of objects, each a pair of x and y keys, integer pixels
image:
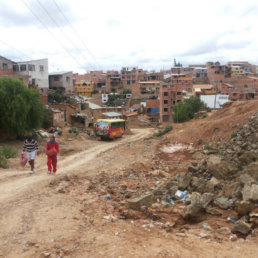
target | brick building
[
  {"x": 84, "y": 88},
  {"x": 131, "y": 75}
]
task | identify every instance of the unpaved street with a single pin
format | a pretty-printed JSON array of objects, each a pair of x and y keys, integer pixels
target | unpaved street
[{"x": 68, "y": 215}]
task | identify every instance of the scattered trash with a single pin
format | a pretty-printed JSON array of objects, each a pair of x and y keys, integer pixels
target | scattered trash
[
  {"x": 233, "y": 220},
  {"x": 127, "y": 191},
  {"x": 110, "y": 217},
  {"x": 180, "y": 194},
  {"x": 170, "y": 200},
  {"x": 108, "y": 197}
]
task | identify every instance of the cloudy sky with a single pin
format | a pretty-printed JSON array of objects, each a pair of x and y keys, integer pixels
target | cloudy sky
[{"x": 83, "y": 35}]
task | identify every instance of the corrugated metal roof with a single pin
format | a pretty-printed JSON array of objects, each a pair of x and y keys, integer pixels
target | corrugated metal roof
[
  {"x": 111, "y": 114},
  {"x": 60, "y": 73}
]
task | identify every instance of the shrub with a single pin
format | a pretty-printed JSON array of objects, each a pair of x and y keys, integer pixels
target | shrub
[
  {"x": 21, "y": 110},
  {"x": 221, "y": 153},
  {"x": 70, "y": 130},
  {"x": 83, "y": 106},
  {"x": 8, "y": 152},
  {"x": 3, "y": 161},
  {"x": 185, "y": 110},
  {"x": 60, "y": 132},
  {"x": 234, "y": 135},
  {"x": 47, "y": 118},
  {"x": 204, "y": 115},
  {"x": 207, "y": 147},
  {"x": 164, "y": 131},
  {"x": 200, "y": 141}
]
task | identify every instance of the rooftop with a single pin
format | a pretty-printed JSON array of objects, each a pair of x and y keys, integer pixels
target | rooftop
[
  {"x": 112, "y": 114},
  {"x": 60, "y": 73}
]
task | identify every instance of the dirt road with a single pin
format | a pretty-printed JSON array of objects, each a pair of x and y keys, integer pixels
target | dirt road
[
  {"x": 13, "y": 184},
  {"x": 68, "y": 215}
]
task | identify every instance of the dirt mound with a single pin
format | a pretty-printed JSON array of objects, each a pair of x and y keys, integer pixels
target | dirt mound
[{"x": 219, "y": 125}]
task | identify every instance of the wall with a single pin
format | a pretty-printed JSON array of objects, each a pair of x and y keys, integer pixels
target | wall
[
  {"x": 40, "y": 76},
  {"x": 58, "y": 118},
  {"x": 215, "y": 101}
]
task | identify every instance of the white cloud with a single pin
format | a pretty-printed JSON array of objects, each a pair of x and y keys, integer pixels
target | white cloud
[{"x": 116, "y": 33}]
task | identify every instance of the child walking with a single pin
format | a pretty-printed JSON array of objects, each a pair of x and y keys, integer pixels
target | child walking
[
  {"x": 31, "y": 148},
  {"x": 52, "y": 148}
]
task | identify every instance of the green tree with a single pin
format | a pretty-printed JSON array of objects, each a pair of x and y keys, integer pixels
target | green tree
[
  {"x": 185, "y": 110},
  {"x": 20, "y": 107},
  {"x": 47, "y": 118}
]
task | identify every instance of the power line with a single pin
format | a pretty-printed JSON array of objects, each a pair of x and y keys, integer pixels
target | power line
[
  {"x": 51, "y": 33},
  {"x": 77, "y": 34},
  {"x": 10, "y": 46},
  {"x": 61, "y": 29}
]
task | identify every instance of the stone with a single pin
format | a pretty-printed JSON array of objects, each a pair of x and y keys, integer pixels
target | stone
[
  {"x": 246, "y": 179},
  {"x": 223, "y": 202},
  {"x": 145, "y": 200},
  {"x": 61, "y": 190},
  {"x": 184, "y": 180},
  {"x": 244, "y": 207},
  {"x": 232, "y": 190},
  {"x": 203, "y": 235},
  {"x": 195, "y": 208},
  {"x": 246, "y": 192},
  {"x": 224, "y": 231},
  {"x": 212, "y": 184},
  {"x": 247, "y": 158},
  {"x": 213, "y": 211},
  {"x": 223, "y": 170},
  {"x": 254, "y": 192},
  {"x": 242, "y": 227},
  {"x": 192, "y": 168},
  {"x": 206, "y": 199}
]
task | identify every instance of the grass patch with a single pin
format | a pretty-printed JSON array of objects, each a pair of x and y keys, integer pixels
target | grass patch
[
  {"x": 6, "y": 152},
  {"x": 164, "y": 131}
]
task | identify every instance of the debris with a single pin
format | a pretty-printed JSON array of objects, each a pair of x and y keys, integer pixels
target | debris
[{"x": 242, "y": 227}]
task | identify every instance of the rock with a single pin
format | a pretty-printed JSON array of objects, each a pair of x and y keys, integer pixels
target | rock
[
  {"x": 145, "y": 200},
  {"x": 206, "y": 199},
  {"x": 224, "y": 231},
  {"x": 233, "y": 238},
  {"x": 203, "y": 235},
  {"x": 242, "y": 227},
  {"x": 247, "y": 158},
  {"x": 184, "y": 180},
  {"x": 46, "y": 254},
  {"x": 206, "y": 226},
  {"x": 254, "y": 193},
  {"x": 213, "y": 211},
  {"x": 192, "y": 168},
  {"x": 223, "y": 170},
  {"x": 232, "y": 190},
  {"x": 212, "y": 184},
  {"x": 198, "y": 184},
  {"x": 246, "y": 179},
  {"x": 61, "y": 190},
  {"x": 223, "y": 202},
  {"x": 244, "y": 207},
  {"x": 195, "y": 208}
]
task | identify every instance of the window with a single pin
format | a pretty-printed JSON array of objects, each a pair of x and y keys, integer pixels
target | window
[
  {"x": 165, "y": 101},
  {"x": 31, "y": 67},
  {"x": 133, "y": 81},
  {"x": 67, "y": 79},
  {"x": 56, "y": 78},
  {"x": 165, "y": 93},
  {"x": 23, "y": 67},
  {"x": 128, "y": 82},
  {"x": 41, "y": 68},
  {"x": 16, "y": 68},
  {"x": 4, "y": 66},
  {"x": 165, "y": 109},
  {"x": 117, "y": 125}
]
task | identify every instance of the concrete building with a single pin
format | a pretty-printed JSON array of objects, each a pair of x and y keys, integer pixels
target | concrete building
[
  {"x": 62, "y": 81},
  {"x": 84, "y": 88},
  {"x": 36, "y": 71}
]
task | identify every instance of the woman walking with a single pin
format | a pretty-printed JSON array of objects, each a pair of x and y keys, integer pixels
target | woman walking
[{"x": 52, "y": 148}]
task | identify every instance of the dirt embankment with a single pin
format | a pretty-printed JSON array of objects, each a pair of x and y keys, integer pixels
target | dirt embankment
[{"x": 219, "y": 125}]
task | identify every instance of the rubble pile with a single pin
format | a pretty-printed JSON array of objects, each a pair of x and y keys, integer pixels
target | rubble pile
[{"x": 227, "y": 179}]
